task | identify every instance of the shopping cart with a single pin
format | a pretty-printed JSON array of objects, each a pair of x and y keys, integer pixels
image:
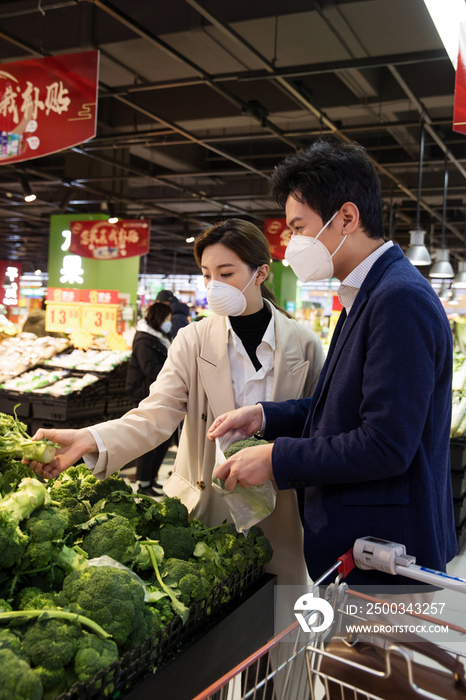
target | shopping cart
[{"x": 309, "y": 659}]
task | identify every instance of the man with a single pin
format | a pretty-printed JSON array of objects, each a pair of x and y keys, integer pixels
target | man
[
  {"x": 180, "y": 311},
  {"x": 371, "y": 447}
]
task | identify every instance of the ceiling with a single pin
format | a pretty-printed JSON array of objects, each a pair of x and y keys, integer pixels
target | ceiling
[{"x": 199, "y": 100}]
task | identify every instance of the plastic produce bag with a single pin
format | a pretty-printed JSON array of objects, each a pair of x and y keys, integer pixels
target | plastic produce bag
[{"x": 247, "y": 506}]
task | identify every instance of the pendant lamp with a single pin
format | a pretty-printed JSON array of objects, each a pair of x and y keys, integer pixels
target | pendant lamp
[
  {"x": 442, "y": 269},
  {"x": 417, "y": 252},
  {"x": 460, "y": 279}
]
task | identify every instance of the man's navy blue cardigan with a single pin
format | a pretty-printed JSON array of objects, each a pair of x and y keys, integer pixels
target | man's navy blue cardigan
[{"x": 371, "y": 447}]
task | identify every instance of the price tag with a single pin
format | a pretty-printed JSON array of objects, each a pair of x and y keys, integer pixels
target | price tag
[
  {"x": 62, "y": 317},
  {"x": 98, "y": 318}
]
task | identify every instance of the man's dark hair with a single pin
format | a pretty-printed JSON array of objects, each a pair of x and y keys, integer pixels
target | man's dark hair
[{"x": 328, "y": 174}]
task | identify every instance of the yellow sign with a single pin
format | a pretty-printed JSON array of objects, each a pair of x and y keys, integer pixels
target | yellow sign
[
  {"x": 62, "y": 317},
  {"x": 81, "y": 339},
  {"x": 99, "y": 318}
]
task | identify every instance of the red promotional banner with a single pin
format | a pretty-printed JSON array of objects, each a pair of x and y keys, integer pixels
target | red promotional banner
[
  {"x": 59, "y": 295},
  {"x": 100, "y": 296},
  {"x": 459, "y": 111},
  {"x": 104, "y": 241},
  {"x": 278, "y": 236},
  {"x": 47, "y": 104}
]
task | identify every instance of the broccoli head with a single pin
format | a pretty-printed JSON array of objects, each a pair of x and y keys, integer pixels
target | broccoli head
[
  {"x": 177, "y": 542},
  {"x": 94, "y": 655},
  {"x": 11, "y": 473},
  {"x": 109, "y": 596},
  {"x": 5, "y": 606},
  {"x": 185, "y": 577},
  {"x": 118, "y": 503},
  {"x": 53, "y": 681},
  {"x": 152, "y": 623},
  {"x": 171, "y": 512},
  {"x": 46, "y": 524},
  {"x": 76, "y": 511},
  {"x": 95, "y": 489},
  {"x": 13, "y": 542},
  {"x": 242, "y": 445},
  {"x": 51, "y": 643},
  {"x": 114, "y": 537},
  {"x": 32, "y": 598},
  {"x": 17, "y": 679},
  {"x": 9, "y": 640}
]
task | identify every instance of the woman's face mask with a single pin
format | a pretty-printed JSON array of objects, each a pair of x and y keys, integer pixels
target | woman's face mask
[
  {"x": 166, "y": 327},
  {"x": 225, "y": 300},
  {"x": 309, "y": 258}
]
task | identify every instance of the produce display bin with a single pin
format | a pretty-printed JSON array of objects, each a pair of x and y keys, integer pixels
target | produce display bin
[
  {"x": 10, "y": 399},
  {"x": 119, "y": 679}
]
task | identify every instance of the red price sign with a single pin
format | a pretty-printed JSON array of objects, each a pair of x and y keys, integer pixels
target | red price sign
[
  {"x": 99, "y": 318},
  {"x": 62, "y": 317}
]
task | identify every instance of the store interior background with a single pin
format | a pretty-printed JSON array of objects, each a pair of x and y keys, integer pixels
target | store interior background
[{"x": 198, "y": 101}]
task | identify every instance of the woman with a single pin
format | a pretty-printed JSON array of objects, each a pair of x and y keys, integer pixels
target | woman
[
  {"x": 247, "y": 350},
  {"x": 150, "y": 349}
]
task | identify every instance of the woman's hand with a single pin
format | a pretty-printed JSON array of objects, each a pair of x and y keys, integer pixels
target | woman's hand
[
  {"x": 73, "y": 443},
  {"x": 249, "y": 467},
  {"x": 248, "y": 418}
]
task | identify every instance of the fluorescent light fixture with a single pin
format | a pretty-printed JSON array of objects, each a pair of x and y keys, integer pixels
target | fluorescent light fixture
[
  {"x": 447, "y": 15},
  {"x": 417, "y": 252},
  {"x": 38, "y": 272},
  {"x": 29, "y": 195},
  {"x": 442, "y": 269},
  {"x": 112, "y": 219},
  {"x": 191, "y": 239}
]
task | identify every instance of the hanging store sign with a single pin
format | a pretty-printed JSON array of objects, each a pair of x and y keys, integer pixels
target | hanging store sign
[
  {"x": 47, "y": 104},
  {"x": 459, "y": 110},
  {"x": 10, "y": 272},
  {"x": 278, "y": 237},
  {"x": 103, "y": 241},
  {"x": 92, "y": 310}
]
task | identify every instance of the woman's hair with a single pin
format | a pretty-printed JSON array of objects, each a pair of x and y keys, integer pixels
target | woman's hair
[
  {"x": 156, "y": 315},
  {"x": 244, "y": 239}
]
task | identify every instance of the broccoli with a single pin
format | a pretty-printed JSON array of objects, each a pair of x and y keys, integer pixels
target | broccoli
[
  {"x": 118, "y": 503},
  {"x": 13, "y": 542},
  {"x": 171, "y": 512},
  {"x": 143, "y": 560},
  {"x": 179, "y": 608},
  {"x": 53, "y": 681},
  {"x": 113, "y": 537},
  {"x": 63, "y": 487},
  {"x": 94, "y": 655},
  {"x": 77, "y": 512},
  {"x": 187, "y": 578},
  {"x": 17, "y": 679},
  {"x": 47, "y": 524},
  {"x": 5, "y": 605},
  {"x": 70, "y": 558},
  {"x": 109, "y": 596},
  {"x": 15, "y": 442},
  {"x": 93, "y": 490},
  {"x": 51, "y": 643},
  {"x": 32, "y": 598},
  {"x": 177, "y": 542},
  {"x": 207, "y": 554},
  {"x": 152, "y": 623},
  {"x": 242, "y": 445},
  {"x": 11, "y": 473},
  {"x": 29, "y": 495},
  {"x": 9, "y": 640}
]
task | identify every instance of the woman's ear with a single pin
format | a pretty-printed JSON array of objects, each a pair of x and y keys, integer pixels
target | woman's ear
[{"x": 262, "y": 274}]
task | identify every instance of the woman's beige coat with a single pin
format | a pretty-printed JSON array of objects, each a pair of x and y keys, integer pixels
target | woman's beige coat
[{"x": 195, "y": 384}]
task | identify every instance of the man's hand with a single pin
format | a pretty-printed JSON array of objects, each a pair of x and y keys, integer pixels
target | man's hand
[
  {"x": 248, "y": 418},
  {"x": 249, "y": 467},
  {"x": 74, "y": 444}
]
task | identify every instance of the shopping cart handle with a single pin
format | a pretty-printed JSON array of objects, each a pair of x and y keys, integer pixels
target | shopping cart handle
[{"x": 347, "y": 563}]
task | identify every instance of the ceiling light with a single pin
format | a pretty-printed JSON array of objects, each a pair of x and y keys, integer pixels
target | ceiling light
[
  {"x": 453, "y": 300},
  {"x": 447, "y": 15},
  {"x": 112, "y": 219},
  {"x": 38, "y": 272},
  {"x": 191, "y": 239},
  {"x": 444, "y": 293},
  {"x": 29, "y": 196},
  {"x": 460, "y": 279},
  {"x": 417, "y": 252},
  {"x": 442, "y": 268}
]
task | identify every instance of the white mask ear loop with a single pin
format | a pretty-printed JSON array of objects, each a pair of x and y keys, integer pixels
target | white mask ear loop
[
  {"x": 255, "y": 273},
  {"x": 324, "y": 227}
]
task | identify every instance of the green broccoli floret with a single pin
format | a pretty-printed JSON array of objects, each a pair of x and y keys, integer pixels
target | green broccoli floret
[
  {"x": 177, "y": 542},
  {"x": 171, "y": 512},
  {"x": 95, "y": 489},
  {"x": 152, "y": 623},
  {"x": 242, "y": 445},
  {"x": 17, "y": 679},
  {"x": 53, "y": 681},
  {"x": 187, "y": 578},
  {"x": 63, "y": 487},
  {"x": 32, "y": 598},
  {"x": 118, "y": 503},
  {"x": 46, "y": 524},
  {"x": 165, "y": 610},
  {"x": 5, "y": 605},
  {"x": 77, "y": 512},
  {"x": 11, "y": 473},
  {"x": 13, "y": 542},
  {"x": 9, "y": 640},
  {"x": 94, "y": 655},
  {"x": 206, "y": 554},
  {"x": 51, "y": 643},
  {"x": 109, "y": 596},
  {"x": 263, "y": 550},
  {"x": 115, "y": 537}
]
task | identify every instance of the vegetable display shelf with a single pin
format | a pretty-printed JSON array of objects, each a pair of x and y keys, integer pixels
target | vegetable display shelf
[{"x": 214, "y": 628}]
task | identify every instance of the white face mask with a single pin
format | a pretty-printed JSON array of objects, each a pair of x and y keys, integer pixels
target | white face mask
[
  {"x": 166, "y": 327},
  {"x": 225, "y": 300},
  {"x": 309, "y": 258}
]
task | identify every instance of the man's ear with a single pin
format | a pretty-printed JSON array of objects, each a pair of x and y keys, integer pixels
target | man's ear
[
  {"x": 262, "y": 274},
  {"x": 350, "y": 218}
]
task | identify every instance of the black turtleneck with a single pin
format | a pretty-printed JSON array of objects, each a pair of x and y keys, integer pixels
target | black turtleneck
[{"x": 250, "y": 329}]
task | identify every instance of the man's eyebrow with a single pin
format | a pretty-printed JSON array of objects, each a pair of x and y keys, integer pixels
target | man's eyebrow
[{"x": 293, "y": 221}]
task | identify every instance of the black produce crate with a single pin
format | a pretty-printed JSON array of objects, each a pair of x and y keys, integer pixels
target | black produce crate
[
  {"x": 458, "y": 454},
  {"x": 75, "y": 423},
  {"x": 118, "y": 406},
  {"x": 140, "y": 661},
  {"x": 458, "y": 483},
  {"x": 9, "y": 399},
  {"x": 459, "y": 510},
  {"x": 64, "y": 408}
]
